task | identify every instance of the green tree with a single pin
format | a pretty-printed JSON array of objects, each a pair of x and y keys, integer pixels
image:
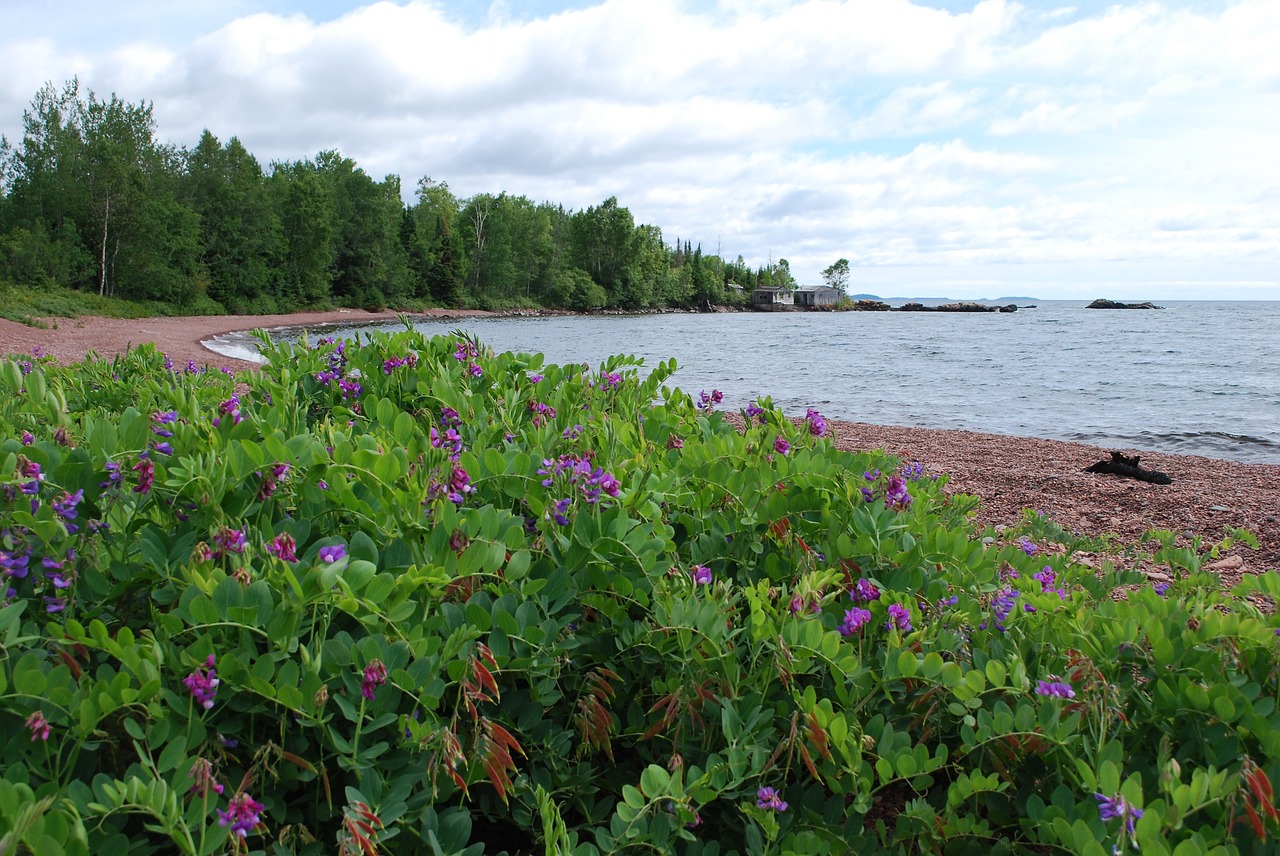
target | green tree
[
  {"x": 435, "y": 252},
  {"x": 304, "y": 205},
  {"x": 837, "y": 275},
  {"x": 241, "y": 237},
  {"x": 370, "y": 264}
]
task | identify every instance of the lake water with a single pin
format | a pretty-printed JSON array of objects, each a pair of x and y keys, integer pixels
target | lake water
[{"x": 1198, "y": 377}]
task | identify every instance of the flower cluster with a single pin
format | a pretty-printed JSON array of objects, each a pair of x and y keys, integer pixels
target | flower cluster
[
  {"x": 899, "y": 618},
  {"x": 817, "y": 425},
  {"x": 231, "y": 408},
  {"x": 242, "y": 814},
  {"x": 203, "y": 782},
  {"x": 203, "y": 683},
  {"x": 707, "y": 402},
  {"x": 854, "y": 620},
  {"x": 459, "y": 485},
  {"x": 227, "y": 541},
  {"x": 146, "y": 471},
  {"x": 542, "y": 413},
  {"x": 450, "y": 440},
  {"x": 1113, "y": 807},
  {"x": 284, "y": 548},
  {"x": 769, "y": 799},
  {"x": 1028, "y": 546},
  {"x": 1002, "y": 605},
  {"x": 375, "y": 675},
  {"x": 272, "y": 479},
  {"x": 753, "y": 410},
  {"x": 610, "y": 380},
  {"x": 895, "y": 493},
  {"x": 1048, "y": 582},
  {"x": 1055, "y": 689},
  {"x": 39, "y": 726},
  {"x": 864, "y": 591},
  {"x": 581, "y": 474},
  {"x": 913, "y": 471},
  {"x": 389, "y": 365}
]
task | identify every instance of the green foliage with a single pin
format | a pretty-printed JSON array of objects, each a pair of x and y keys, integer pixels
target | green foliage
[
  {"x": 404, "y": 594},
  {"x": 90, "y": 200}
]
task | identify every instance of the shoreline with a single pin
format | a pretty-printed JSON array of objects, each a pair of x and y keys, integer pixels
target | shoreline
[{"x": 1208, "y": 497}]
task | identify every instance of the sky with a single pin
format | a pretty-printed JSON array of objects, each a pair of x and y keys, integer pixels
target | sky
[{"x": 944, "y": 147}]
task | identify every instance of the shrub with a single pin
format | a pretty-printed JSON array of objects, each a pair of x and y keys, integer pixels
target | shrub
[{"x": 403, "y": 594}]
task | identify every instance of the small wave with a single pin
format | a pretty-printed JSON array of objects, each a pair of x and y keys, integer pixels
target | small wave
[
  {"x": 1210, "y": 444},
  {"x": 237, "y": 346}
]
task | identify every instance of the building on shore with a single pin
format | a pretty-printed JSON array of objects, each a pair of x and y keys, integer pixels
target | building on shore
[
  {"x": 771, "y": 297},
  {"x": 816, "y": 296}
]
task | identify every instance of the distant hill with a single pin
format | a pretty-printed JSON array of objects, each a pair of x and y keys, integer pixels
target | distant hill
[
  {"x": 949, "y": 299},
  {"x": 865, "y": 297}
]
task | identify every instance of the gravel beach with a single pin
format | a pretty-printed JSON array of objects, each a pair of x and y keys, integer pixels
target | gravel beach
[{"x": 1207, "y": 498}]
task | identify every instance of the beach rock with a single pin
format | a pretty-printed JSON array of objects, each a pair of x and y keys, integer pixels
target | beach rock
[
  {"x": 871, "y": 306},
  {"x": 1102, "y": 303},
  {"x": 1230, "y": 563}
]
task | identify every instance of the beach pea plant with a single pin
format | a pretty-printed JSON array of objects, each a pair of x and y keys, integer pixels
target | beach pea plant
[{"x": 401, "y": 594}]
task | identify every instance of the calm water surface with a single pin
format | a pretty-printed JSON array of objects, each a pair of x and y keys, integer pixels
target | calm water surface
[{"x": 1196, "y": 378}]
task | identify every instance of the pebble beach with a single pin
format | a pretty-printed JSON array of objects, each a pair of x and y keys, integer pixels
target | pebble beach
[{"x": 1208, "y": 497}]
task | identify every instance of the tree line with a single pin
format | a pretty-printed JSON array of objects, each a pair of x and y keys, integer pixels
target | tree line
[{"x": 91, "y": 200}]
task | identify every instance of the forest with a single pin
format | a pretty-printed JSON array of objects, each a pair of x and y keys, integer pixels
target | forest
[{"x": 91, "y": 200}]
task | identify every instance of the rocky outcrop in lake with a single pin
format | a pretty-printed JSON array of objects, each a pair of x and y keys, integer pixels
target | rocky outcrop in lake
[
  {"x": 962, "y": 306},
  {"x": 1102, "y": 303}
]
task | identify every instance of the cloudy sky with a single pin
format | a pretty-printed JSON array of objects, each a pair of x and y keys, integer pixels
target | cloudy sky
[{"x": 945, "y": 147}]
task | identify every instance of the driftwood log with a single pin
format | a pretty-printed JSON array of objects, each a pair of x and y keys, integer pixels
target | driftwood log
[{"x": 1122, "y": 465}]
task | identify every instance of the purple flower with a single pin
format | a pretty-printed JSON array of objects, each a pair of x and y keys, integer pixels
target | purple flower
[
  {"x": 1160, "y": 588},
  {"x": 229, "y": 541},
  {"x": 476, "y": 371},
  {"x": 895, "y": 493},
  {"x": 768, "y": 798},
  {"x": 561, "y": 506},
  {"x": 780, "y": 445},
  {"x": 241, "y": 814},
  {"x": 54, "y": 604},
  {"x": 163, "y": 448},
  {"x": 854, "y": 620},
  {"x": 39, "y": 726},
  {"x": 459, "y": 485},
  {"x": 331, "y": 554},
  {"x": 817, "y": 425},
  {"x": 913, "y": 471},
  {"x": 701, "y": 574},
  {"x": 28, "y": 438},
  {"x": 375, "y": 675},
  {"x": 753, "y": 410},
  {"x": 610, "y": 380},
  {"x": 899, "y": 617},
  {"x": 1110, "y": 808},
  {"x": 146, "y": 471},
  {"x": 1001, "y": 605},
  {"x": 65, "y": 505},
  {"x": 1047, "y": 578},
  {"x": 675, "y": 442},
  {"x": 1028, "y": 546},
  {"x": 1055, "y": 689},
  {"x": 867, "y": 494},
  {"x": 203, "y": 683},
  {"x": 465, "y": 351},
  {"x": 707, "y": 403},
  {"x": 864, "y": 591},
  {"x": 284, "y": 548},
  {"x": 230, "y": 407}
]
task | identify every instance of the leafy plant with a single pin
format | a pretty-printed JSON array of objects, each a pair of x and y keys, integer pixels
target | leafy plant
[{"x": 406, "y": 594}]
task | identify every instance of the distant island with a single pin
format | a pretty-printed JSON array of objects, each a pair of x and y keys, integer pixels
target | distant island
[
  {"x": 942, "y": 299},
  {"x": 1103, "y": 303}
]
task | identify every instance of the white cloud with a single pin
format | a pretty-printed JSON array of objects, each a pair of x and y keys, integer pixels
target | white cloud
[{"x": 884, "y": 131}]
